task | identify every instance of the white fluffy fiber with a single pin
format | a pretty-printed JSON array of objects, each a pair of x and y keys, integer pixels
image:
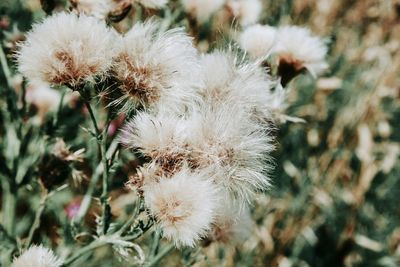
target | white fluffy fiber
[
  {"x": 229, "y": 79},
  {"x": 184, "y": 206},
  {"x": 66, "y": 49},
  {"x": 157, "y": 65},
  {"x": 232, "y": 148},
  {"x": 300, "y": 44},
  {"x": 246, "y": 11},
  {"x": 258, "y": 40},
  {"x": 37, "y": 256}
]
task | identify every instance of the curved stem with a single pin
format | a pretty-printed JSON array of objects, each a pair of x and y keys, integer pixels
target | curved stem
[
  {"x": 156, "y": 243},
  {"x": 102, "y": 241},
  {"x": 132, "y": 219},
  {"x": 96, "y": 244}
]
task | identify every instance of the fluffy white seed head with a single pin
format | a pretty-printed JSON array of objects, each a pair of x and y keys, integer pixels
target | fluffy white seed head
[
  {"x": 66, "y": 49},
  {"x": 228, "y": 79},
  {"x": 160, "y": 137},
  {"x": 299, "y": 47},
  {"x": 258, "y": 40},
  {"x": 183, "y": 205},
  {"x": 232, "y": 224},
  {"x": 37, "y": 256},
  {"x": 96, "y": 8},
  {"x": 154, "y": 4},
  {"x": 232, "y": 148},
  {"x": 155, "y": 68},
  {"x": 247, "y": 11},
  {"x": 202, "y": 10}
]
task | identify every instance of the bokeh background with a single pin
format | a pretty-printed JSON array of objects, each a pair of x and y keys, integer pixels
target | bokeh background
[{"x": 336, "y": 183}]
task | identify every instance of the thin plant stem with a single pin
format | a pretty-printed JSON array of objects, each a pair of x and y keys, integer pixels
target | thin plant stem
[
  {"x": 160, "y": 255},
  {"x": 85, "y": 204},
  {"x": 104, "y": 195},
  {"x": 92, "y": 246},
  {"x": 156, "y": 243},
  {"x": 102, "y": 241},
  {"x": 10, "y": 204},
  {"x": 102, "y": 142},
  {"x": 59, "y": 109},
  {"x": 93, "y": 118},
  {"x": 36, "y": 222},
  {"x": 5, "y": 68},
  {"x": 130, "y": 221}
]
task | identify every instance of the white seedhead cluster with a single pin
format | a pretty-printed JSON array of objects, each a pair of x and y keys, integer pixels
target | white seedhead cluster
[{"x": 204, "y": 122}]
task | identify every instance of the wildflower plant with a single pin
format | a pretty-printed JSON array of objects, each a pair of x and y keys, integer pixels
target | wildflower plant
[{"x": 164, "y": 141}]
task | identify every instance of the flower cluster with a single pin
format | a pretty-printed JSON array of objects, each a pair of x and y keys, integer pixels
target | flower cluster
[{"x": 203, "y": 122}]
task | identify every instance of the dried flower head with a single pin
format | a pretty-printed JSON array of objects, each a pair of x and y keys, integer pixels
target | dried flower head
[
  {"x": 183, "y": 206},
  {"x": 37, "y": 256},
  {"x": 154, "y": 67},
  {"x": 232, "y": 148},
  {"x": 247, "y": 11},
  {"x": 232, "y": 224},
  {"x": 63, "y": 152},
  {"x": 66, "y": 49},
  {"x": 297, "y": 49},
  {"x": 160, "y": 137},
  {"x": 56, "y": 166},
  {"x": 228, "y": 79},
  {"x": 258, "y": 40},
  {"x": 202, "y": 10},
  {"x": 154, "y": 4}
]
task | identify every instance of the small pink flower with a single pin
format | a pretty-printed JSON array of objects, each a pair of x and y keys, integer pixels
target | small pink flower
[{"x": 72, "y": 208}]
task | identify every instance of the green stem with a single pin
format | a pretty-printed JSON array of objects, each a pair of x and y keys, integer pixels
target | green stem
[
  {"x": 156, "y": 243},
  {"x": 102, "y": 241},
  {"x": 92, "y": 246},
  {"x": 160, "y": 256},
  {"x": 102, "y": 141},
  {"x": 59, "y": 109},
  {"x": 93, "y": 118},
  {"x": 134, "y": 217},
  {"x": 36, "y": 222},
  {"x": 85, "y": 204},
  {"x": 104, "y": 195},
  {"x": 5, "y": 68},
  {"x": 10, "y": 206}
]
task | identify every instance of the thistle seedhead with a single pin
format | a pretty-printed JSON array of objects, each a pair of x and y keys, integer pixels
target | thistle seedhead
[
  {"x": 66, "y": 49},
  {"x": 37, "y": 256}
]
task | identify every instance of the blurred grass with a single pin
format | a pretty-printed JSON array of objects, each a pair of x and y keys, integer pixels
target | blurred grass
[{"x": 336, "y": 182}]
